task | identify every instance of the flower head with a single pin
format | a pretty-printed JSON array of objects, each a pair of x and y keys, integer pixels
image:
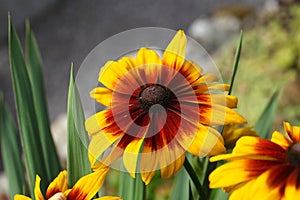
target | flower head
[
  {"x": 84, "y": 189},
  {"x": 261, "y": 169},
  {"x": 231, "y": 133},
  {"x": 158, "y": 108}
]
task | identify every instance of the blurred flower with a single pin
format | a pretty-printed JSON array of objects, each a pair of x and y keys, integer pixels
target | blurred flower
[
  {"x": 85, "y": 188},
  {"x": 157, "y": 110},
  {"x": 231, "y": 133},
  {"x": 261, "y": 169}
]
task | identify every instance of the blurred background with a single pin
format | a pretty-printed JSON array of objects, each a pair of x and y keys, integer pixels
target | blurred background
[{"x": 67, "y": 31}]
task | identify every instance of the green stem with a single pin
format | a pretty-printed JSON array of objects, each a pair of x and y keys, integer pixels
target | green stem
[{"x": 188, "y": 167}]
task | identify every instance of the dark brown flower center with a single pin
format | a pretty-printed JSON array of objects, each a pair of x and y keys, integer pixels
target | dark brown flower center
[
  {"x": 153, "y": 94},
  {"x": 293, "y": 154}
]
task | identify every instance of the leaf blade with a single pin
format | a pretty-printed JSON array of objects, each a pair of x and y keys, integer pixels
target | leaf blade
[
  {"x": 264, "y": 123},
  {"x": 11, "y": 154},
  {"x": 34, "y": 68},
  {"x": 27, "y": 121},
  {"x": 78, "y": 162}
]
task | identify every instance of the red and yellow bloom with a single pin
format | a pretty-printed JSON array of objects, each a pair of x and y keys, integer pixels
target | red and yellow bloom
[
  {"x": 84, "y": 189},
  {"x": 158, "y": 108},
  {"x": 262, "y": 169}
]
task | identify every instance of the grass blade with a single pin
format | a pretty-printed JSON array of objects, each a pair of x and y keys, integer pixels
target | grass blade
[
  {"x": 27, "y": 121},
  {"x": 78, "y": 162},
  {"x": 236, "y": 61},
  {"x": 11, "y": 154},
  {"x": 34, "y": 68},
  {"x": 265, "y": 121}
]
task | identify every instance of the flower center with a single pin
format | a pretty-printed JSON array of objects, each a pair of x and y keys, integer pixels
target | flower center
[
  {"x": 293, "y": 154},
  {"x": 153, "y": 94}
]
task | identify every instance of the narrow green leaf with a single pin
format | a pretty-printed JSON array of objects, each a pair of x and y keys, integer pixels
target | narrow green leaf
[
  {"x": 27, "y": 121},
  {"x": 78, "y": 162},
  {"x": 130, "y": 188},
  {"x": 34, "y": 68},
  {"x": 265, "y": 121},
  {"x": 11, "y": 154},
  {"x": 236, "y": 61},
  {"x": 189, "y": 169},
  {"x": 181, "y": 186}
]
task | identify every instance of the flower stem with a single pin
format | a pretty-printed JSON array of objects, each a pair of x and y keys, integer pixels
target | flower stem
[{"x": 188, "y": 167}]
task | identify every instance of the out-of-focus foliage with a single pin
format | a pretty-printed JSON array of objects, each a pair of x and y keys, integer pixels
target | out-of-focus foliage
[{"x": 270, "y": 60}]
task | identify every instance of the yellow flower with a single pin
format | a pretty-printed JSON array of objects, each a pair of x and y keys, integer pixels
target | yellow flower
[
  {"x": 261, "y": 169},
  {"x": 158, "y": 108},
  {"x": 84, "y": 189},
  {"x": 231, "y": 134}
]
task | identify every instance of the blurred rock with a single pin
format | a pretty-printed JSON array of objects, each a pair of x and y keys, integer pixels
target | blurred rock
[{"x": 213, "y": 32}]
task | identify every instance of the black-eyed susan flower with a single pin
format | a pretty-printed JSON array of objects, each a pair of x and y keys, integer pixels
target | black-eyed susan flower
[
  {"x": 158, "y": 108},
  {"x": 84, "y": 189},
  {"x": 262, "y": 169},
  {"x": 231, "y": 134}
]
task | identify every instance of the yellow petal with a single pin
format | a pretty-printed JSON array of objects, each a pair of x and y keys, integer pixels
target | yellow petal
[
  {"x": 292, "y": 186},
  {"x": 174, "y": 54},
  {"x": 149, "y": 164},
  {"x": 281, "y": 140},
  {"x": 150, "y": 62},
  {"x": 99, "y": 143},
  {"x": 37, "y": 190},
  {"x": 247, "y": 191},
  {"x": 219, "y": 115},
  {"x": 59, "y": 184},
  {"x": 229, "y": 174},
  {"x": 147, "y": 56},
  {"x": 231, "y": 136},
  {"x": 112, "y": 72},
  {"x": 258, "y": 188},
  {"x": 21, "y": 197},
  {"x": 99, "y": 121},
  {"x": 292, "y": 131},
  {"x": 87, "y": 186},
  {"x": 171, "y": 167},
  {"x": 208, "y": 78},
  {"x": 207, "y": 141},
  {"x": 191, "y": 71},
  {"x": 102, "y": 95},
  {"x": 131, "y": 155}
]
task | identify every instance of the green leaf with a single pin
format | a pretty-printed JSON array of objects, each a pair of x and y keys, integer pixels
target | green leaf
[
  {"x": 11, "y": 154},
  {"x": 181, "y": 186},
  {"x": 34, "y": 68},
  {"x": 78, "y": 162},
  {"x": 130, "y": 188},
  {"x": 236, "y": 61},
  {"x": 218, "y": 194},
  {"x": 27, "y": 120},
  {"x": 265, "y": 121}
]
